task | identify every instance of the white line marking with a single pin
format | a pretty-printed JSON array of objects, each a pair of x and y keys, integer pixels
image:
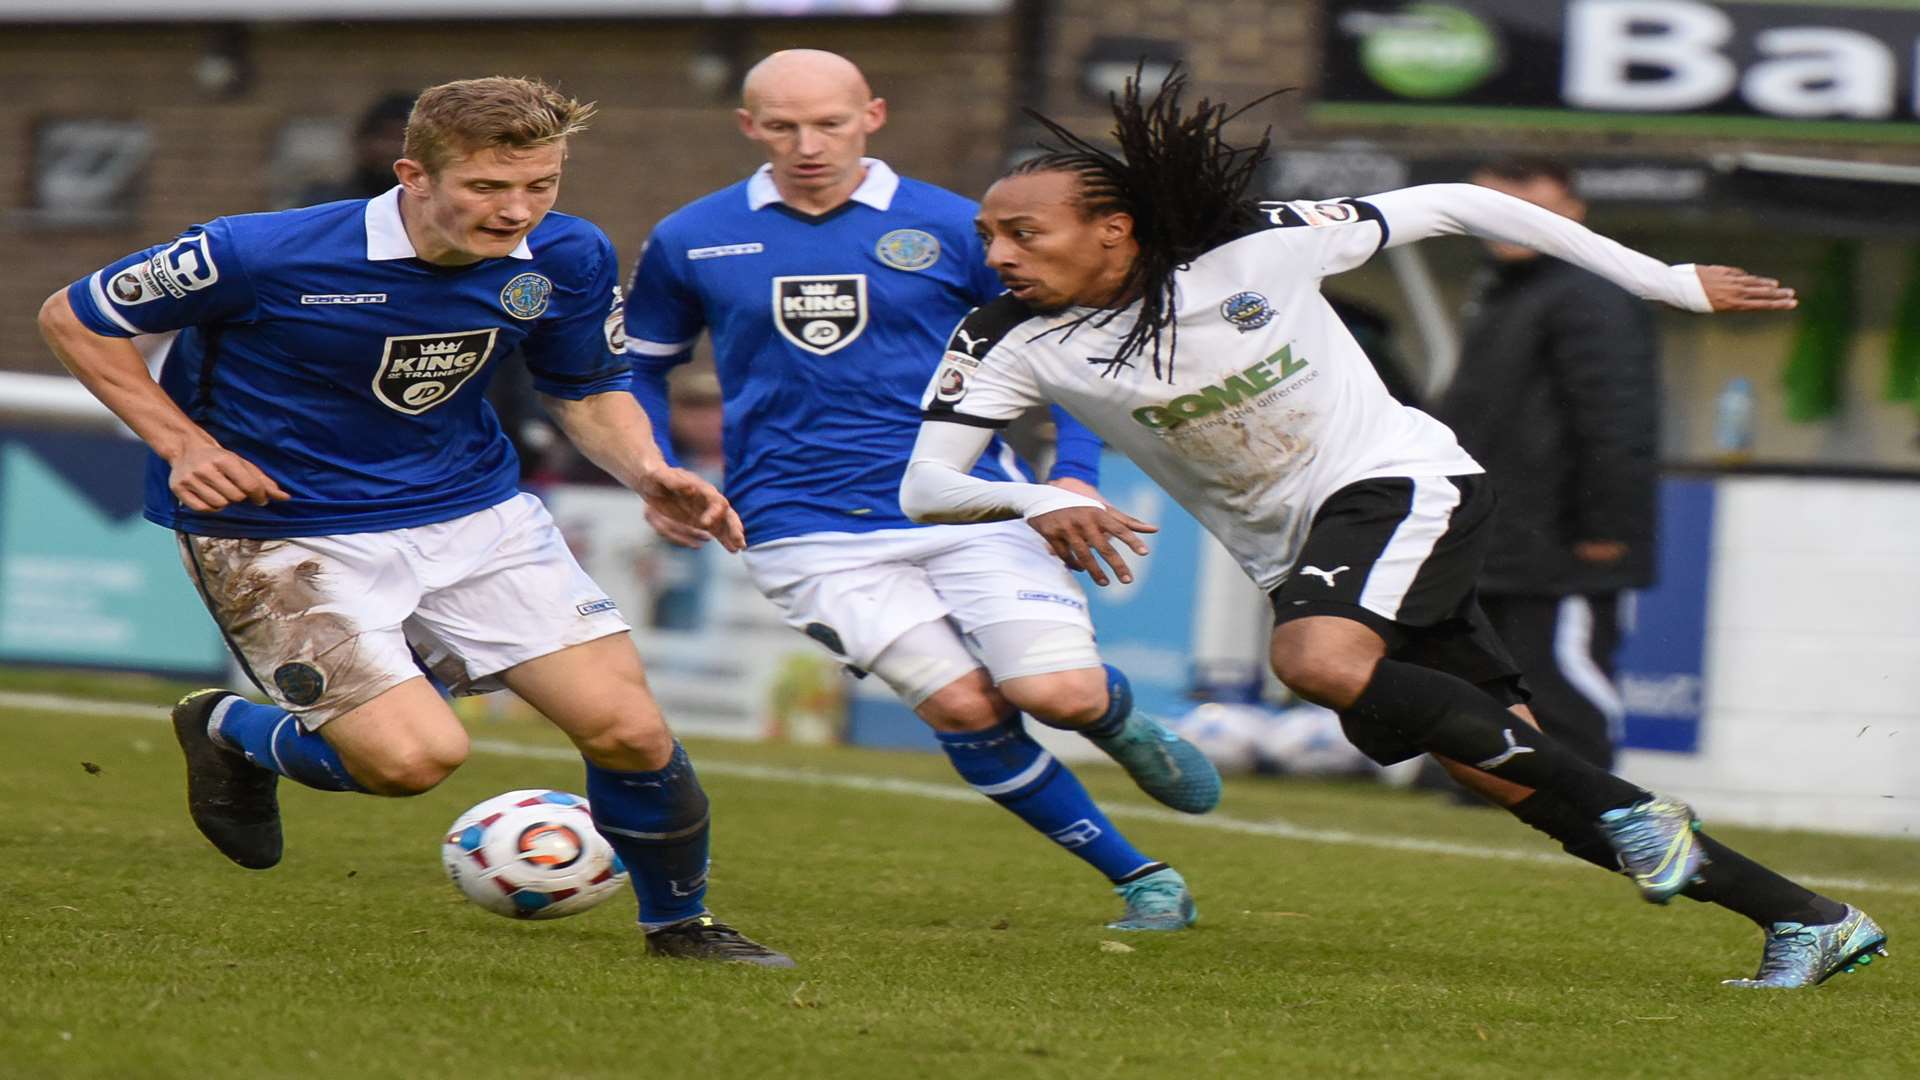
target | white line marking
[{"x": 955, "y": 793}]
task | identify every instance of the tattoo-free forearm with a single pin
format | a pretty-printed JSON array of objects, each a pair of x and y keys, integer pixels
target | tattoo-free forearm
[
  {"x": 612, "y": 431},
  {"x": 113, "y": 371}
]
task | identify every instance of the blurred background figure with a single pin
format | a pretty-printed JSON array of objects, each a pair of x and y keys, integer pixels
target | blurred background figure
[
  {"x": 1558, "y": 395},
  {"x": 376, "y": 145},
  {"x": 682, "y": 574}
]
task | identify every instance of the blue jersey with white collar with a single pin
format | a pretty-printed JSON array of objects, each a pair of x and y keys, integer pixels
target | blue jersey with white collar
[
  {"x": 825, "y": 331},
  {"x": 316, "y": 345}
]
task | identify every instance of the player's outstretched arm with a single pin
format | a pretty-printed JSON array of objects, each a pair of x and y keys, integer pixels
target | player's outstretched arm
[
  {"x": 205, "y": 477},
  {"x": 1417, "y": 213},
  {"x": 939, "y": 487},
  {"x": 613, "y": 432}
]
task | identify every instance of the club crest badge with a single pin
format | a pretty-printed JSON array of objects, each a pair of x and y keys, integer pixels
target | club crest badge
[
  {"x": 908, "y": 249},
  {"x": 526, "y": 296},
  {"x": 821, "y": 313},
  {"x": 1247, "y": 311}
]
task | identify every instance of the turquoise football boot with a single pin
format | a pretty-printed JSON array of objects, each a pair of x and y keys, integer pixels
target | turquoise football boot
[
  {"x": 1798, "y": 955},
  {"x": 1166, "y": 766},
  {"x": 1655, "y": 842},
  {"x": 1159, "y": 901}
]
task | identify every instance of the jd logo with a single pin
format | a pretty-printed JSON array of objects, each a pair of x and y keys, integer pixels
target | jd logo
[
  {"x": 1243, "y": 386},
  {"x": 822, "y": 314},
  {"x": 420, "y": 371}
]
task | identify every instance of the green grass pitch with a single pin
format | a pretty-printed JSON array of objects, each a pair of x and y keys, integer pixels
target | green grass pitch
[{"x": 936, "y": 938}]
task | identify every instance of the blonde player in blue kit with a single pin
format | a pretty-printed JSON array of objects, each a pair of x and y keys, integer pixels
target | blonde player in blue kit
[
  {"x": 829, "y": 284},
  {"x": 345, "y": 500}
]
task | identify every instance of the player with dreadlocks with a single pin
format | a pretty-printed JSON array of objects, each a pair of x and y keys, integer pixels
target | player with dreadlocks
[{"x": 1362, "y": 519}]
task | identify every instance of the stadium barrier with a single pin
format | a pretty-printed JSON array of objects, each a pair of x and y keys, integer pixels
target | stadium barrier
[{"x": 1770, "y": 677}]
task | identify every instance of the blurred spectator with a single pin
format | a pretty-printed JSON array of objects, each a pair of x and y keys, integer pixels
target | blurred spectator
[
  {"x": 682, "y": 575},
  {"x": 696, "y": 424},
  {"x": 1557, "y": 394},
  {"x": 377, "y": 139}
]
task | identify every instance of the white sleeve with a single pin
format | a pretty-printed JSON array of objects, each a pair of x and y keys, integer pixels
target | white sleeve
[
  {"x": 938, "y": 487},
  {"x": 1327, "y": 237},
  {"x": 1417, "y": 213}
]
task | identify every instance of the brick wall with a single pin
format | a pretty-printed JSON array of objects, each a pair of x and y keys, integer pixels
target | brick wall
[{"x": 659, "y": 141}]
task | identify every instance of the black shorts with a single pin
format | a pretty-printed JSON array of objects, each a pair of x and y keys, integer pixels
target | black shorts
[{"x": 1401, "y": 555}]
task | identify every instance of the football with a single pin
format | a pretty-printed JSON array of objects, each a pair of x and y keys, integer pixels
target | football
[{"x": 531, "y": 854}]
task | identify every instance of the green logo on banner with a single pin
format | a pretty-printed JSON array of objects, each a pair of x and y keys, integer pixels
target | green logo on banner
[{"x": 1429, "y": 51}]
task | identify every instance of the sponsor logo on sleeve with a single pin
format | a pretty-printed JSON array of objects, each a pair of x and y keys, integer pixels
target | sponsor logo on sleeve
[
  {"x": 184, "y": 266},
  {"x": 950, "y": 383},
  {"x": 526, "y": 296},
  {"x": 967, "y": 342},
  {"x": 135, "y": 285},
  {"x": 616, "y": 324},
  {"x": 908, "y": 249},
  {"x": 420, "y": 371},
  {"x": 1311, "y": 215},
  {"x": 596, "y": 607},
  {"x": 721, "y": 251},
  {"x": 821, "y": 313}
]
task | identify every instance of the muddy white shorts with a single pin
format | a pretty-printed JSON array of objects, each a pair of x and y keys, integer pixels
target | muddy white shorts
[
  {"x": 324, "y": 624},
  {"x": 857, "y": 593}
]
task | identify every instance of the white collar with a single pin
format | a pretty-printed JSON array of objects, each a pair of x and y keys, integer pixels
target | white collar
[
  {"x": 387, "y": 234},
  {"x": 877, "y": 190}
]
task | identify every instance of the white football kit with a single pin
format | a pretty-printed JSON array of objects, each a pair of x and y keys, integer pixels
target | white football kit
[{"x": 1265, "y": 405}]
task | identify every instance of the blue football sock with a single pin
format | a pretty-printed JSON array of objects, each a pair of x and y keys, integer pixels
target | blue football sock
[
  {"x": 272, "y": 739},
  {"x": 658, "y": 823},
  {"x": 1006, "y": 765},
  {"x": 1119, "y": 706}
]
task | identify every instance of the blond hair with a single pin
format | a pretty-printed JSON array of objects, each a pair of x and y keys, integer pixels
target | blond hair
[{"x": 461, "y": 117}]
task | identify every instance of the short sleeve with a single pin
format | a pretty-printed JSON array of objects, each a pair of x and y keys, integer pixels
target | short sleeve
[
  {"x": 980, "y": 381},
  {"x": 1334, "y": 236},
  {"x": 197, "y": 279},
  {"x": 665, "y": 316},
  {"x": 577, "y": 350}
]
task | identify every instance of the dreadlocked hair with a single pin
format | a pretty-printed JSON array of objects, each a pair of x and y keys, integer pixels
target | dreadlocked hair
[{"x": 1182, "y": 183}]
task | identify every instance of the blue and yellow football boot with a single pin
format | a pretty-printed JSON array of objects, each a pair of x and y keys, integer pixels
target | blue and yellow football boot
[
  {"x": 1655, "y": 842},
  {"x": 1798, "y": 955}
]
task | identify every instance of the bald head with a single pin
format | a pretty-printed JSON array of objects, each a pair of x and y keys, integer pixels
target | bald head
[
  {"x": 803, "y": 74},
  {"x": 811, "y": 111}
]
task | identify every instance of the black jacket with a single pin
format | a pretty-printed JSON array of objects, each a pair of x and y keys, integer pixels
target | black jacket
[{"x": 1558, "y": 396}]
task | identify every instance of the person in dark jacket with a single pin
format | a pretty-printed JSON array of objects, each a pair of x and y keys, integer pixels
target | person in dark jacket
[{"x": 1558, "y": 395}]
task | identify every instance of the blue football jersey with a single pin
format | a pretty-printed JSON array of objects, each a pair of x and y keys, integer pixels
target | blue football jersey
[
  {"x": 315, "y": 344},
  {"x": 826, "y": 329}
]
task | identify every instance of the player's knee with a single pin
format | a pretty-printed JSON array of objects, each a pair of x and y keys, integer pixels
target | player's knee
[
  {"x": 955, "y": 708},
  {"x": 1062, "y": 699},
  {"x": 412, "y": 770},
  {"x": 637, "y": 742},
  {"x": 1330, "y": 680}
]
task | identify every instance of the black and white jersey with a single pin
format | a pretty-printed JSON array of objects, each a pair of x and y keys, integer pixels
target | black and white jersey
[{"x": 1270, "y": 406}]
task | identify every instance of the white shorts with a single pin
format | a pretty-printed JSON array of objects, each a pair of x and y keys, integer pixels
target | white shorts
[
  {"x": 324, "y": 624},
  {"x": 857, "y": 593}
]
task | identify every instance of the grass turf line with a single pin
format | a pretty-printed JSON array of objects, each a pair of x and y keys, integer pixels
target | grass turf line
[{"x": 134, "y": 950}]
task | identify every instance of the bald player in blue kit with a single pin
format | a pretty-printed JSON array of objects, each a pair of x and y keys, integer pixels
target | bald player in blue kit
[
  {"x": 830, "y": 285},
  {"x": 345, "y": 501}
]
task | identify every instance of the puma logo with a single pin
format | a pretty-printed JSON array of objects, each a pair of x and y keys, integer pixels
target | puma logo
[
  {"x": 969, "y": 342},
  {"x": 1512, "y": 751},
  {"x": 1325, "y": 575}
]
